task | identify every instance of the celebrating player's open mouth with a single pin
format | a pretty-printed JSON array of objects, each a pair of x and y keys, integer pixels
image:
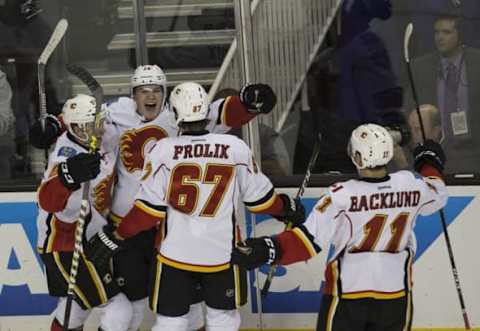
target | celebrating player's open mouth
[{"x": 149, "y": 99}]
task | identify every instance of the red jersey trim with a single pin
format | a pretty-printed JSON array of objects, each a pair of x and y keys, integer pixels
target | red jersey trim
[
  {"x": 61, "y": 237},
  {"x": 293, "y": 248},
  {"x": 430, "y": 171},
  {"x": 234, "y": 113},
  {"x": 52, "y": 195},
  {"x": 140, "y": 218}
]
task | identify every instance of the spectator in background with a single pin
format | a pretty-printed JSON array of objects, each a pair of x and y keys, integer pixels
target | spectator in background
[
  {"x": 6, "y": 127},
  {"x": 24, "y": 34},
  {"x": 356, "y": 82},
  {"x": 433, "y": 131},
  {"x": 447, "y": 79},
  {"x": 275, "y": 159},
  {"x": 368, "y": 86},
  {"x": 431, "y": 123}
]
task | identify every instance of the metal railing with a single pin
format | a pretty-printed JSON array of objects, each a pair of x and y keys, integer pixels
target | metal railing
[
  {"x": 170, "y": 8},
  {"x": 286, "y": 35}
]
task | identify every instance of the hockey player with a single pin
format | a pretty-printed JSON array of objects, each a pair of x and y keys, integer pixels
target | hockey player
[
  {"x": 59, "y": 198},
  {"x": 197, "y": 179},
  {"x": 370, "y": 224},
  {"x": 141, "y": 121}
]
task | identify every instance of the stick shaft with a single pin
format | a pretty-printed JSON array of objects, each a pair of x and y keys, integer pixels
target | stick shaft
[
  {"x": 97, "y": 91},
  {"x": 301, "y": 190},
  {"x": 441, "y": 212},
  {"x": 78, "y": 249}
]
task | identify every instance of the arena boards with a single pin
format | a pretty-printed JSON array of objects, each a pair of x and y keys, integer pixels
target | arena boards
[{"x": 295, "y": 294}]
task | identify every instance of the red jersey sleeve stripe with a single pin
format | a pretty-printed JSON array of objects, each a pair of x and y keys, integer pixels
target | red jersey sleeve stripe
[
  {"x": 295, "y": 246},
  {"x": 52, "y": 195},
  {"x": 306, "y": 241},
  {"x": 234, "y": 113},
  {"x": 141, "y": 217},
  {"x": 430, "y": 171}
]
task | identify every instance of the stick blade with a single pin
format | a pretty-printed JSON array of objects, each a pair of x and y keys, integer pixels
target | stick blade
[
  {"x": 85, "y": 77},
  {"x": 55, "y": 38},
  {"x": 406, "y": 41}
]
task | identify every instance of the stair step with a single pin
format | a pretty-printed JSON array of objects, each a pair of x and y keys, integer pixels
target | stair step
[
  {"x": 171, "y": 8},
  {"x": 176, "y": 38},
  {"x": 118, "y": 83}
]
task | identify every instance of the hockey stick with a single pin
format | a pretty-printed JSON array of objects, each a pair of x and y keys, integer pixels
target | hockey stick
[
  {"x": 52, "y": 44},
  {"x": 301, "y": 190},
  {"x": 406, "y": 43},
  {"x": 97, "y": 92}
]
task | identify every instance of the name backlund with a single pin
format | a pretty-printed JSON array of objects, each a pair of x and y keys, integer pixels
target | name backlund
[{"x": 384, "y": 200}]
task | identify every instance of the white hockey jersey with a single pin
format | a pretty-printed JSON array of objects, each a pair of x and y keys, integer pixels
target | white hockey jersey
[
  {"x": 198, "y": 180},
  {"x": 136, "y": 138},
  {"x": 370, "y": 225},
  {"x": 59, "y": 208}
]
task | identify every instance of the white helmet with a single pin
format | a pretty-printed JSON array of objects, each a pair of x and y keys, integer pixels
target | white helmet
[
  {"x": 189, "y": 101},
  {"x": 149, "y": 75},
  {"x": 374, "y": 145},
  {"x": 80, "y": 110}
]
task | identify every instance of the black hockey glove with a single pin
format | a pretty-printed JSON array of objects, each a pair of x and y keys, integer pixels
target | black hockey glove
[
  {"x": 259, "y": 98},
  {"x": 293, "y": 211},
  {"x": 102, "y": 246},
  {"x": 254, "y": 252},
  {"x": 430, "y": 153},
  {"x": 78, "y": 169},
  {"x": 44, "y": 138}
]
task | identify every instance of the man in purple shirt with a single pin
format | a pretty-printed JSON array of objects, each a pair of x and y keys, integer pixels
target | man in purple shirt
[{"x": 448, "y": 79}]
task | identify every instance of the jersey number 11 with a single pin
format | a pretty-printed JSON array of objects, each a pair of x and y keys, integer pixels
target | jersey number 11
[{"x": 373, "y": 230}]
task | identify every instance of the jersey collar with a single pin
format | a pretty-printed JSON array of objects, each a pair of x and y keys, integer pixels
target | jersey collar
[
  {"x": 195, "y": 133},
  {"x": 374, "y": 179}
]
